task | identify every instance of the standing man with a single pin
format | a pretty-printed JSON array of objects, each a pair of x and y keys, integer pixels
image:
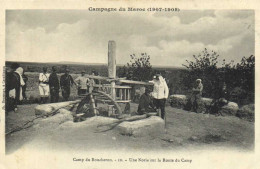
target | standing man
[
  {"x": 160, "y": 93},
  {"x": 82, "y": 83},
  {"x": 54, "y": 85},
  {"x": 91, "y": 83},
  {"x": 12, "y": 89},
  {"x": 196, "y": 95},
  {"x": 66, "y": 81},
  {"x": 44, "y": 85},
  {"x": 25, "y": 79}
]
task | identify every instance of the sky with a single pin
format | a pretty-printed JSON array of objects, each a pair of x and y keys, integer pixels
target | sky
[{"x": 169, "y": 38}]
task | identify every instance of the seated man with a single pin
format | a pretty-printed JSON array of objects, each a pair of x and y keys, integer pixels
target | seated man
[{"x": 146, "y": 103}]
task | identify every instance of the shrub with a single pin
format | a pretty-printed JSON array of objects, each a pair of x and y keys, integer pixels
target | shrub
[
  {"x": 247, "y": 112},
  {"x": 138, "y": 68},
  {"x": 239, "y": 78}
]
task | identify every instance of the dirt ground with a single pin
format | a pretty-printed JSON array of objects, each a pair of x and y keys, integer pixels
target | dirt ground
[{"x": 185, "y": 130}]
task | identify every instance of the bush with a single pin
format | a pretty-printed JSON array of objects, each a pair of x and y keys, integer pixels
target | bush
[
  {"x": 238, "y": 78},
  {"x": 138, "y": 68},
  {"x": 247, "y": 112},
  {"x": 204, "y": 67}
]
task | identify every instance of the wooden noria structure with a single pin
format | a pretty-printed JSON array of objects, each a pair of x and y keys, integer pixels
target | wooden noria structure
[{"x": 112, "y": 93}]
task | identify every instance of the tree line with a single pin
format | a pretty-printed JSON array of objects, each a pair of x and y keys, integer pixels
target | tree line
[{"x": 239, "y": 78}]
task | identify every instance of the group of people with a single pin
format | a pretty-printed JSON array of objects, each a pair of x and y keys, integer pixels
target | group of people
[
  {"x": 50, "y": 84},
  {"x": 154, "y": 100},
  {"x": 220, "y": 99}
]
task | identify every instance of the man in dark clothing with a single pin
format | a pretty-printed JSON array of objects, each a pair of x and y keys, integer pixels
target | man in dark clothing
[
  {"x": 54, "y": 85},
  {"x": 65, "y": 82},
  {"x": 25, "y": 79},
  {"x": 12, "y": 83},
  {"x": 146, "y": 103}
]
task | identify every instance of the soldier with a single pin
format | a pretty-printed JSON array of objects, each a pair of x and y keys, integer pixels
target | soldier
[
  {"x": 54, "y": 85},
  {"x": 196, "y": 95},
  {"x": 25, "y": 79},
  {"x": 12, "y": 87},
  {"x": 66, "y": 81},
  {"x": 91, "y": 83},
  {"x": 44, "y": 85},
  {"x": 82, "y": 82},
  {"x": 160, "y": 93},
  {"x": 146, "y": 103}
]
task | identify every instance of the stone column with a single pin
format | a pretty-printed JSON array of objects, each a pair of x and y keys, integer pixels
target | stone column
[{"x": 112, "y": 65}]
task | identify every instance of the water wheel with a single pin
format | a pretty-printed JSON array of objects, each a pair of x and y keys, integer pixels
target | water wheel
[{"x": 89, "y": 102}]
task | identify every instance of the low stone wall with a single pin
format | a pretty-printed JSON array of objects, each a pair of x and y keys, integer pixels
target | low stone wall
[
  {"x": 179, "y": 101},
  {"x": 145, "y": 127}
]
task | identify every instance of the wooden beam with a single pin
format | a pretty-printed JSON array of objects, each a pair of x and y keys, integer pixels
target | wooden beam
[
  {"x": 135, "y": 82},
  {"x": 105, "y": 78},
  {"x": 121, "y": 80}
]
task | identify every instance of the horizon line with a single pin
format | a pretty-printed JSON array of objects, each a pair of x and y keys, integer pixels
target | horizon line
[{"x": 82, "y": 63}]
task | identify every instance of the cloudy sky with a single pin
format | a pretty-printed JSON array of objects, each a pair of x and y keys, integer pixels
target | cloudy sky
[{"x": 169, "y": 38}]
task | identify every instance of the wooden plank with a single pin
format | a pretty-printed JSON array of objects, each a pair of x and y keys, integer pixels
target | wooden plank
[
  {"x": 123, "y": 101},
  {"x": 104, "y": 101},
  {"x": 122, "y": 80},
  {"x": 129, "y": 94},
  {"x": 105, "y": 78},
  {"x": 123, "y": 87},
  {"x": 135, "y": 82},
  {"x": 125, "y": 94},
  {"x": 121, "y": 94}
]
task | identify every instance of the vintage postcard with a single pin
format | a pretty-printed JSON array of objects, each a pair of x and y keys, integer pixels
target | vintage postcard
[{"x": 129, "y": 84}]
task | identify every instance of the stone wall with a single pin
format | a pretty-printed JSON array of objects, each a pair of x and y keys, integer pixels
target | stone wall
[{"x": 179, "y": 101}]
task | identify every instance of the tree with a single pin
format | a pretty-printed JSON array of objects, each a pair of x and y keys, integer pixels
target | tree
[
  {"x": 243, "y": 77},
  {"x": 239, "y": 78},
  {"x": 138, "y": 68},
  {"x": 205, "y": 68}
]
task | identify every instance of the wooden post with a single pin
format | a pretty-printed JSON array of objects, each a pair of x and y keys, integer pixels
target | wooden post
[{"x": 112, "y": 65}]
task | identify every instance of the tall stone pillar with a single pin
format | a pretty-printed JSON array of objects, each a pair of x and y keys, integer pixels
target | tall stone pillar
[{"x": 112, "y": 65}]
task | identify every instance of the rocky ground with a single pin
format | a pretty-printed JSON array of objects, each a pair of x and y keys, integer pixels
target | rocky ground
[{"x": 185, "y": 130}]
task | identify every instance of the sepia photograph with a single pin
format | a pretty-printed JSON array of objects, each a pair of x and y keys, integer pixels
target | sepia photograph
[{"x": 144, "y": 80}]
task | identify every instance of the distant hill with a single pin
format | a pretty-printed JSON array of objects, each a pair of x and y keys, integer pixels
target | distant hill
[
  {"x": 84, "y": 64},
  {"x": 77, "y": 63}
]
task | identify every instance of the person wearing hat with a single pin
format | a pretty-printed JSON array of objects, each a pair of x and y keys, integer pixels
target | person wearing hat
[
  {"x": 196, "y": 95},
  {"x": 13, "y": 85},
  {"x": 146, "y": 103},
  {"x": 54, "y": 85},
  {"x": 44, "y": 85},
  {"x": 66, "y": 81},
  {"x": 82, "y": 82},
  {"x": 160, "y": 93}
]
